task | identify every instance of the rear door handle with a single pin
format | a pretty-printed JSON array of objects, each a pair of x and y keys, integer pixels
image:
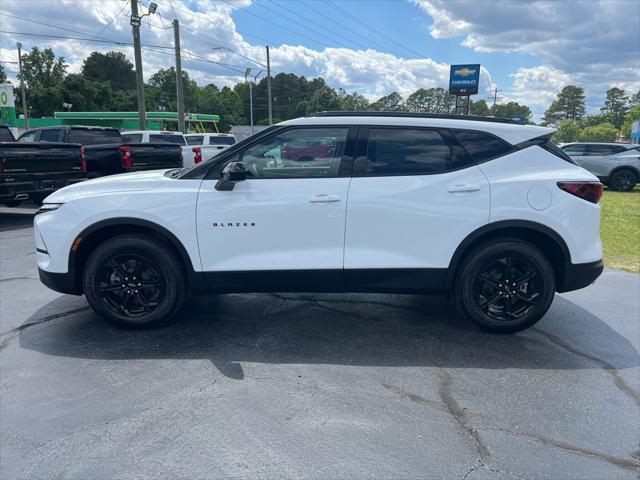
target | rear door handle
[
  {"x": 463, "y": 187},
  {"x": 324, "y": 198}
]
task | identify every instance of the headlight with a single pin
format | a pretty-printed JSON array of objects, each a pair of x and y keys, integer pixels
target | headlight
[{"x": 48, "y": 207}]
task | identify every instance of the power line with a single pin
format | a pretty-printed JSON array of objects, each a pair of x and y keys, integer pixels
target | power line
[
  {"x": 90, "y": 40},
  {"x": 101, "y": 30}
]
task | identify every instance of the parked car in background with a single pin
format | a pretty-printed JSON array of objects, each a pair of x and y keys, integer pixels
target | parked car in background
[
  {"x": 487, "y": 211},
  {"x": 191, "y": 154},
  {"x": 46, "y": 159},
  {"x": 617, "y": 165},
  {"x": 220, "y": 140}
]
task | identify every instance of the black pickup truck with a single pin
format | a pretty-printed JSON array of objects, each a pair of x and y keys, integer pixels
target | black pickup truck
[{"x": 46, "y": 159}]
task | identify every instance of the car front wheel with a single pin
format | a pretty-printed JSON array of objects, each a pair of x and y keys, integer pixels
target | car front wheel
[
  {"x": 134, "y": 281},
  {"x": 505, "y": 286}
]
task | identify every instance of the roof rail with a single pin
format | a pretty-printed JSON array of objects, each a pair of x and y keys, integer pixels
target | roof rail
[{"x": 414, "y": 115}]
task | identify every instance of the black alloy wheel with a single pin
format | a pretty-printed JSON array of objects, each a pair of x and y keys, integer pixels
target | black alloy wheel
[
  {"x": 131, "y": 285},
  {"x": 623, "y": 181},
  {"x": 135, "y": 281},
  {"x": 504, "y": 285},
  {"x": 508, "y": 289}
]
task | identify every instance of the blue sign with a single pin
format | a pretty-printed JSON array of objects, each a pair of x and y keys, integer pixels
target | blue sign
[
  {"x": 635, "y": 132},
  {"x": 464, "y": 79}
]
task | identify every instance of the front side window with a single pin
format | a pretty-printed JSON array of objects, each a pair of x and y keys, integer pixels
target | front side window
[
  {"x": 393, "y": 151},
  {"x": 482, "y": 146},
  {"x": 599, "y": 150},
  {"x": 297, "y": 153},
  {"x": 28, "y": 137}
]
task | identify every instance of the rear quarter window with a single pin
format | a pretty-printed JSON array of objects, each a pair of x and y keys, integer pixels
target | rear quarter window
[
  {"x": 195, "y": 140},
  {"x": 482, "y": 146}
]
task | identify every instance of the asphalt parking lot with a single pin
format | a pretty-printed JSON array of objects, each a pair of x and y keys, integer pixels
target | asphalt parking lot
[{"x": 314, "y": 386}]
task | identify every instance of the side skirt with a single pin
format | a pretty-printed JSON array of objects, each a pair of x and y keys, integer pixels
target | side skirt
[{"x": 418, "y": 280}]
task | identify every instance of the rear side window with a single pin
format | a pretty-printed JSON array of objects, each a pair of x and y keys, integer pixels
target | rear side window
[
  {"x": 28, "y": 137},
  {"x": 51, "y": 135},
  {"x": 194, "y": 139},
  {"x": 394, "y": 151},
  {"x": 94, "y": 137},
  {"x": 132, "y": 137},
  {"x": 482, "y": 146},
  {"x": 166, "y": 138},
  {"x": 600, "y": 150}
]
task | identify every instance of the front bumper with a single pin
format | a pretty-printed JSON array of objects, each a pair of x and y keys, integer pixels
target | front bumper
[
  {"x": 60, "y": 282},
  {"x": 579, "y": 275}
]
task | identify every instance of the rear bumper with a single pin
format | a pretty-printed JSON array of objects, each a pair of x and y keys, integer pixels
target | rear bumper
[
  {"x": 60, "y": 282},
  {"x": 579, "y": 275}
]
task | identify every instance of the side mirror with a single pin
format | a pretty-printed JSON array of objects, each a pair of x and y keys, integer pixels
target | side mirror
[{"x": 232, "y": 173}]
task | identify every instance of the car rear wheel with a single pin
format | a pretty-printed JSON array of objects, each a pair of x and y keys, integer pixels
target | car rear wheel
[
  {"x": 623, "y": 180},
  {"x": 134, "y": 281},
  {"x": 505, "y": 286}
]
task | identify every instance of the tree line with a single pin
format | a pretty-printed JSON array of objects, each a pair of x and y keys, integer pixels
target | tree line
[{"x": 107, "y": 82}]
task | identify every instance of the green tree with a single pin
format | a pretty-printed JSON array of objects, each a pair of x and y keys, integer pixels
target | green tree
[
  {"x": 569, "y": 103},
  {"x": 86, "y": 95},
  {"x": 388, "y": 103},
  {"x": 634, "y": 99},
  {"x": 615, "y": 106},
  {"x": 161, "y": 91},
  {"x": 568, "y": 131},
  {"x": 479, "y": 108},
  {"x": 593, "y": 120},
  {"x": 112, "y": 67},
  {"x": 3, "y": 75},
  {"x": 353, "y": 102},
  {"x": 43, "y": 74},
  {"x": 604, "y": 132},
  {"x": 510, "y": 110},
  {"x": 633, "y": 115}
]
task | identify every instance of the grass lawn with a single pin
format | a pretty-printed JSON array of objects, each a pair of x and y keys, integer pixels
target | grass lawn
[{"x": 620, "y": 228}]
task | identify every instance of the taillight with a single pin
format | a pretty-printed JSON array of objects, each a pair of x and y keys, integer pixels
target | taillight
[
  {"x": 197, "y": 158},
  {"x": 589, "y": 191},
  {"x": 83, "y": 160},
  {"x": 125, "y": 157}
]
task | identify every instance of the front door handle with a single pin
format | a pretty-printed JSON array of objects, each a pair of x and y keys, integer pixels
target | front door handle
[
  {"x": 324, "y": 198},
  {"x": 463, "y": 187}
]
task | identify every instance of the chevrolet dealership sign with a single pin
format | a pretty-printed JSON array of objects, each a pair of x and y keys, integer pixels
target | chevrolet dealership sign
[{"x": 464, "y": 79}]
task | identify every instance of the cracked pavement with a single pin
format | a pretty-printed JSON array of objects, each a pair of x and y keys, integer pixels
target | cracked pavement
[{"x": 314, "y": 386}]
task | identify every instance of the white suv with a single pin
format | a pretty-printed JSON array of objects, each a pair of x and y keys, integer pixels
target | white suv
[{"x": 488, "y": 211}]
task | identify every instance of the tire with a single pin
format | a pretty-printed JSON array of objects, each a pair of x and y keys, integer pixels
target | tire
[
  {"x": 623, "y": 180},
  {"x": 481, "y": 290},
  {"x": 134, "y": 281}
]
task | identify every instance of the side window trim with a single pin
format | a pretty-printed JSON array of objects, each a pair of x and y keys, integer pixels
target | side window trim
[{"x": 346, "y": 161}]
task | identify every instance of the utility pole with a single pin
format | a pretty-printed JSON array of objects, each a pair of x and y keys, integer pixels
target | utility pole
[
  {"x": 269, "y": 86},
  {"x": 25, "y": 112},
  {"x": 135, "y": 26},
  {"x": 179, "y": 92},
  {"x": 495, "y": 96}
]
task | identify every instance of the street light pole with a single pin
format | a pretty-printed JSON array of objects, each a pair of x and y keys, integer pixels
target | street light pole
[
  {"x": 135, "y": 26},
  {"x": 269, "y": 86},
  {"x": 25, "y": 112}
]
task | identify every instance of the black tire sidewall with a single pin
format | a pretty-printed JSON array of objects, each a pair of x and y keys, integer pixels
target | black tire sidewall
[
  {"x": 156, "y": 252},
  {"x": 474, "y": 264}
]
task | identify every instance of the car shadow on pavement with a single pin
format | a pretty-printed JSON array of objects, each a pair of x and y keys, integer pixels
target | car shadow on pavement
[{"x": 351, "y": 329}]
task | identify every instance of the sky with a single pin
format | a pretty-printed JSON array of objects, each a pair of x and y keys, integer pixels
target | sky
[{"x": 528, "y": 50}]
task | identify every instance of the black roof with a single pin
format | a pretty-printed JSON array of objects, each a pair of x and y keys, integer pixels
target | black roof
[{"x": 414, "y": 115}]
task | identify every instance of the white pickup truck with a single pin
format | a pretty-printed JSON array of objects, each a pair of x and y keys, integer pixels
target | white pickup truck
[
  {"x": 190, "y": 154},
  {"x": 217, "y": 142}
]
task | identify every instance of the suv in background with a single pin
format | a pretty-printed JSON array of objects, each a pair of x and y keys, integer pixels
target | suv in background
[
  {"x": 617, "y": 165},
  {"x": 489, "y": 212}
]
